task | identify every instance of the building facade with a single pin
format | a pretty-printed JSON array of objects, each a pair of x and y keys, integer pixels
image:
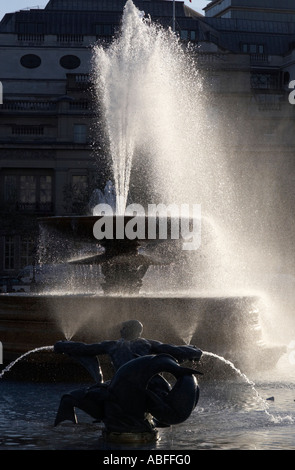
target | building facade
[
  {"x": 49, "y": 160},
  {"x": 50, "y": 149}
]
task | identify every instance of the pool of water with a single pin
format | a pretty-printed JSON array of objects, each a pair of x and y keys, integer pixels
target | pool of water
[{"x": 230, "y": 415}]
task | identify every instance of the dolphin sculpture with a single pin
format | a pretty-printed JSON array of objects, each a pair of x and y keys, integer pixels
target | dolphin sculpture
[
  {"x": 134, "y": 394},
  {"x": 137, "y": 398}
]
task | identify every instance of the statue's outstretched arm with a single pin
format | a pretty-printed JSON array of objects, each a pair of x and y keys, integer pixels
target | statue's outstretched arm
[{"x": 83, "y": 349}]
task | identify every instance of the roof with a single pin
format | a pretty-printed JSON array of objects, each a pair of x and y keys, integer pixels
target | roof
[
  {"x": 276, "y": 36},
  {"x": 237, "y": 24},
  {"x": 81, "y": 17},
  {"x": 73, "y": 16},
  {"x": 154, "y": 6},
  {"x": 282, "y": 5}
]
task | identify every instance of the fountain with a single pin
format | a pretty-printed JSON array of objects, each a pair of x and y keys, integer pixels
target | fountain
[{"x": 150, "y": 93}]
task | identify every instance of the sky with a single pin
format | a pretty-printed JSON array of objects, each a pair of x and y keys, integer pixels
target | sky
[{"x": 8, "y": 6}]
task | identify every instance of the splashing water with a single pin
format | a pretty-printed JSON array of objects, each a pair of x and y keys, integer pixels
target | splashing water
[
  {"x": 42, "y": 348},
  {"x": 275, "y": 419},
  {"x": 145, "y": 82}
]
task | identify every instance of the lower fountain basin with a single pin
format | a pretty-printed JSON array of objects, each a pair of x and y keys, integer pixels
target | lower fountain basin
[{"x": 227, "y": 326}]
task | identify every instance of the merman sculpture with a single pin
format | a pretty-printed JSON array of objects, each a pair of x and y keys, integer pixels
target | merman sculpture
[{"x": 137, "y": 399}]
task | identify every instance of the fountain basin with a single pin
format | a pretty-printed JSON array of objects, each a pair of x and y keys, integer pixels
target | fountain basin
[{"x": 227, "y": 326}]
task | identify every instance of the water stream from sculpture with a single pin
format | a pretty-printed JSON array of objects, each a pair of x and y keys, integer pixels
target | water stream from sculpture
[
  {"x": 275, "y": 419},
  {"x": 28, "y": 353}
]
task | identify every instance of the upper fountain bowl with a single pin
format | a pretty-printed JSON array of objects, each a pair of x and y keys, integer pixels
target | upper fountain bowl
[
  {"x": 104, "y": 228},
  {"x": 119, "y": 235}
]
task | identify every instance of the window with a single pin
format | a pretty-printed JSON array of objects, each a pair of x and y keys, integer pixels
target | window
[
  {"x": 9, "y": 253},
  {"x": 253, "y": 48},
  {"x": 10, "y": 188},
  {"x": 187, "y": 35},
  {"x": 45, "y": 189},
  {"x": 29, "y": 191},
  {"x": 266, "y": 81},
  {"x": 286, "y": 78},
  {"x": 78, "y": 196},
  {"x": 28, "y": 186},
  {"x": 27, "y": 249},
  {"x": 80, "y": 134},
  {"x": 80, "y": 186}
]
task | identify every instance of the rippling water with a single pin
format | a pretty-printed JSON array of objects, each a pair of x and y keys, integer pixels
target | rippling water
[{"x": 228, "y": 416}]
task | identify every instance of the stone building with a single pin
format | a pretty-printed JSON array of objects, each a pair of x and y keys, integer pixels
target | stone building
[{"x": 50, "y": 151}]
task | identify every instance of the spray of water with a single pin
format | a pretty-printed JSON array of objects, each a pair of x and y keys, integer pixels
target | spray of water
[
  {"x": 119, "y": 71},
  {"x": 28, "y": 353}
]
